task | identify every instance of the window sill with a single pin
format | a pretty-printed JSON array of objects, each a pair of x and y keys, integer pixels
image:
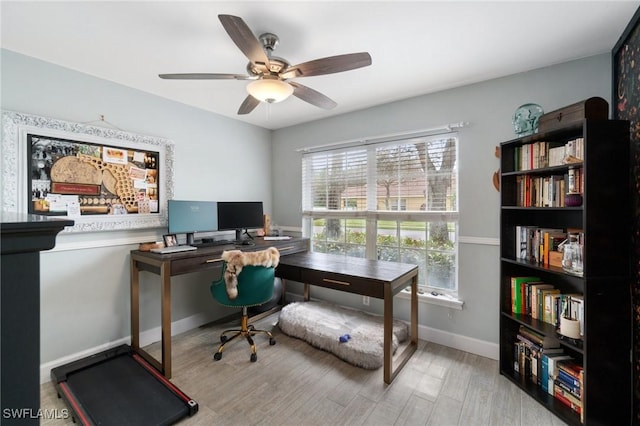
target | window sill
[{"x": 441, "y": 299}]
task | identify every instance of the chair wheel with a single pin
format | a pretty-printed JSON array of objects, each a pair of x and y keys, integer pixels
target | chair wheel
[
  {"x": 272, "y": 341},
  {"x": 223, "y": 338},
  {"x": 254, "y": 357},
  {"x": 217, "y": 356}
]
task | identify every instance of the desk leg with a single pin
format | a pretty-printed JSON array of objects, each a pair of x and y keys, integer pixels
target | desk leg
[
  {"x": 389, "y": 372},
  {"x": 165, "y": 277},
  {"x": 165, "y": 366},
  {"x": 283, "y": 296},
  {"x": 135, "y": 306},
  {"x": 414, "y": 311},
  {"x": 307, "y": 294},
  {"x": 388, "y": 334}
]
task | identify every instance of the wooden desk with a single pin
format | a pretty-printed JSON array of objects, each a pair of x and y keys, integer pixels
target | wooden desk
[
  {"x": 169, "y": 265},
  {"x": 374, "y": 278}
]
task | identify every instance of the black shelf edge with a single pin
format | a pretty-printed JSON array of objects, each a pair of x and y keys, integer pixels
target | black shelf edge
[
  {"x": 531, "y": 208},
  {"x": 575, "y": 345},
  {"x": 542, "y": 170},
  {"x": 544, "y": 398},
  {"x": 546, "y": 268},
  {"x": 560, "y": 133}
]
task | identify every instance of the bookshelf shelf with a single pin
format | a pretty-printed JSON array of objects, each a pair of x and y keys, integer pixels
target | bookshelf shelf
[
  {"x": 542, "y": 171},
  {"x": 603, "y": 219},
  {"x": 540, "y": 267},
  {"x": 562, "y": 411},
  {"x": 578, "y": 208}
]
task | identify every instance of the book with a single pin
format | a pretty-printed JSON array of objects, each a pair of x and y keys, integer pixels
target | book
[
  {"x": 534, "y": 297},
  {"x": 572, "y": 367},
  {"x": 533, "y": 352},
  {"x": 574, "y": 390},
  {"x": 556, "y": 156},
  {"x": 521, "y": 242},
  {"x": 548, "y": 303},
  {"x": 546, "y": 376},
  {"x": 521, "y": 363},
  {"x": 552, "y": 369},
  {"x": 567, "y": 381},
  {"x": 516, "y": 356},
  {"x": 526, "y": 309},
  {"x": 567, "y": 378},
  {"x": 551, "y": 238},
  {"x": 568, "y": 394},
  {"x": 541, "y": 340},
  {"x": 556, "y": 309},
  {"x": 542, "y": 294},
  {"x": 517, "y": 292},
  {"x": 560, "y": 396}
]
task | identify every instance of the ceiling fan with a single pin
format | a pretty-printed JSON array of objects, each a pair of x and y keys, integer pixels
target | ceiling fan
[{"x": 270, "y": 74}]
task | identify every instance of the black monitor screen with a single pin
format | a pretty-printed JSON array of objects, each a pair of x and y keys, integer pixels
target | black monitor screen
[
  {"x": 188, "y": 217},
  {"x": 240, "y": 215}
]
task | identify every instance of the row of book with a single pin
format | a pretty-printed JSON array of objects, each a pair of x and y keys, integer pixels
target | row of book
[
  {"x": 543, "y": 302},
  {"x": 548, "y": 191},
  {"x": 540, "y": 245},
  {"x": 541, "y": 360},
  {"x": 542, "y": 154}
]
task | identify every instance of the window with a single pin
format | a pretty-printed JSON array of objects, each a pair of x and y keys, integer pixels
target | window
[{"x": 394, "y": 200}]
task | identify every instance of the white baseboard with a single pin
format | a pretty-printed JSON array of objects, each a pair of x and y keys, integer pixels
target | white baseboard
[
  {"x": 146, "y": 338},
  {"x": 460, "y": 342}
]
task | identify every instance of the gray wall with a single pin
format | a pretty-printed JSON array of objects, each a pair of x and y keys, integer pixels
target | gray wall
[
  {"x": 85, "y": 300},
  {"x": 488, "y": 107},
  {"x": 85, "y": 285}
]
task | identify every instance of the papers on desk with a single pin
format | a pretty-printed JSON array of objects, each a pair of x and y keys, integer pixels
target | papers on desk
[{"x": 284, "y": 237}]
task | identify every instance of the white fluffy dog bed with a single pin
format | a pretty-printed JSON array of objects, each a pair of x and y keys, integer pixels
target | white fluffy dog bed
[{"x": 322, "y": 324}]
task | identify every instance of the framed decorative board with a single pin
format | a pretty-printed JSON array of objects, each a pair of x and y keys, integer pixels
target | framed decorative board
[
  {"x": 626, "y": 101},
  {"x": 105, "y": 179}
]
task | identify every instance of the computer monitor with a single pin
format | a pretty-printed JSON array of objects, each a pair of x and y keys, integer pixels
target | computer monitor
[
  {"x": 239, "y": 216},
  {"x": 189, "y": 217}
]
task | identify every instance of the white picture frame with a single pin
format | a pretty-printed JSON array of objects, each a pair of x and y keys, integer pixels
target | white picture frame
[{"x": 16, "y": 197}]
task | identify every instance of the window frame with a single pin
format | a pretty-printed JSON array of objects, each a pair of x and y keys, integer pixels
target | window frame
[{"x": 372, "y": 215}]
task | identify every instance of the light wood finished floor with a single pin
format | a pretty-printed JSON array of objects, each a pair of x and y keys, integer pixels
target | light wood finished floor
[{"x": 293, "y": 383}]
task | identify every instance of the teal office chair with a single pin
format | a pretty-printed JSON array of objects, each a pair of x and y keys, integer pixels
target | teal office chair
[{"x": 255, "y": 287}]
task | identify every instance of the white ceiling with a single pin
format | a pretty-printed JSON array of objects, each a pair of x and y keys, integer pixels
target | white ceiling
[{"x": 417, "y": 47}]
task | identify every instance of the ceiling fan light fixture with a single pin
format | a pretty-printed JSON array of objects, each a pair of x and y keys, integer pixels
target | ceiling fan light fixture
[{"x": 270, "y": 90}]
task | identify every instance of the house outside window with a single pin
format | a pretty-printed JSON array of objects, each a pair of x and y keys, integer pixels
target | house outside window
[
  {"x": 399, "y": 204},
  {"x": 395, "y": 200}
]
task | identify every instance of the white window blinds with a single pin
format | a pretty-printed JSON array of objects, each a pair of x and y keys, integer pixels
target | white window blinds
[
  {"x": 412, "y": 175},
  {"x": 395, "y": 201}
]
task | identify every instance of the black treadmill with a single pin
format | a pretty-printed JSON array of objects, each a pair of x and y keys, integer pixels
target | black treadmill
[{"x": 118, "y": 387}]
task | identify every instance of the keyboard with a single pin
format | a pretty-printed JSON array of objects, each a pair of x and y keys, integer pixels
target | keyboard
[
  {"x": 281, "y": 238},
  {"x": 173, "y": 249},
  {"x": 214, "y": 243}
]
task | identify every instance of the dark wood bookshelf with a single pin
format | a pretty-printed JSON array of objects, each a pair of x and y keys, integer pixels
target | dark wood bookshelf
[{"x": 604, "y": 351}]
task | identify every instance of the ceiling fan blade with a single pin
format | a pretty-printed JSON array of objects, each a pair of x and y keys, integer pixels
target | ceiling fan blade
[
  {"x": 248, "y": 105},
  {"x": 244, "y": 38},
  {"x": 314, "y": 97},
  {"x": 329, "y": 65},
  {"x": 205, "y": 76}
]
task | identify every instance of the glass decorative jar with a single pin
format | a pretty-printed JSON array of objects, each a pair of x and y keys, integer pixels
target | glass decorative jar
[
  {"x": 572, "y": 260},
  {"x": 525, "y": 119}
]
